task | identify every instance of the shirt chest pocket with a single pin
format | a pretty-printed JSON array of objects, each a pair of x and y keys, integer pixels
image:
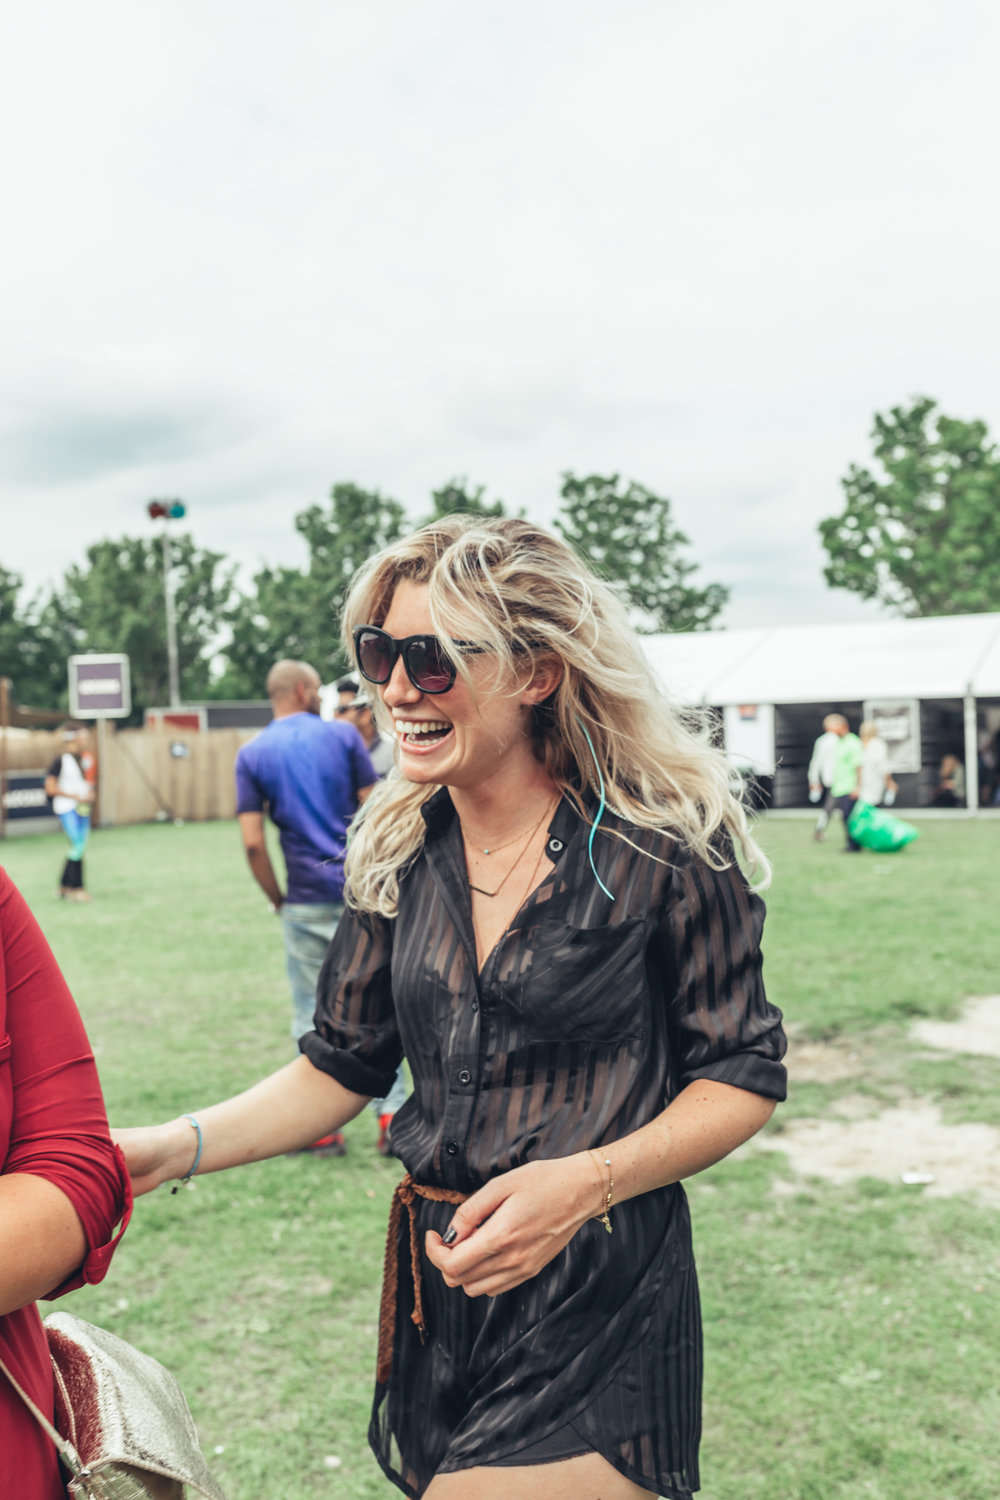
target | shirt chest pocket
[{"x": 580, "y": 983}]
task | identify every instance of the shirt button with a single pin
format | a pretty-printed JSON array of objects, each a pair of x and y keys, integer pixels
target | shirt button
[
  {"x": 451, "y": 1147},
  {"x": 465, "y": 1076},
  {"x": 475, "y": 1005},
  {"x": 555, "y": 846}
]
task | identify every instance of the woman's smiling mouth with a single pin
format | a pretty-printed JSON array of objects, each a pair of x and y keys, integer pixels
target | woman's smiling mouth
[{"x": 420, "y": 733}]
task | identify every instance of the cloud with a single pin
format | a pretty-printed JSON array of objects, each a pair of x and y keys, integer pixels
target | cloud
[{"x": 69, "y": 444}]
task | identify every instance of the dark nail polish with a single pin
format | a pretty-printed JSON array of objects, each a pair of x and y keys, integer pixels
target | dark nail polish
[{"x": 450, "y": 1235}]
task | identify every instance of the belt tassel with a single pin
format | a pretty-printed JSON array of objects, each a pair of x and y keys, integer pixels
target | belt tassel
[{"x": 404, "y": 1197}]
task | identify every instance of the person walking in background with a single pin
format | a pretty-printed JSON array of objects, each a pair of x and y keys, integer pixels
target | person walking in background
[
  {"x": 311, "y": 776},
  {"x": 824, "y": 758},
  {"x": 73, "y": 791},
  {"x": 877, "y": 782},
  {"x": 381, "y": 747},
  {"x": 845, "y": 787},
  {"x": 347, "y": 689}
]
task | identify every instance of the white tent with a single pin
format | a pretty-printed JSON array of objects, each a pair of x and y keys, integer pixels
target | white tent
[
  {"x": 747, "y": 672},
  {"x": 953, "y": 656}
]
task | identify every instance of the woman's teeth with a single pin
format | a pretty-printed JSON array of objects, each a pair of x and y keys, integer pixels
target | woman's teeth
[{"x": 420, "y": 728}]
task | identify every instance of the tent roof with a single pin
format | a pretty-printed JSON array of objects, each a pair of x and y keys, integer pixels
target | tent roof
[{"x": 940, "y": 657}]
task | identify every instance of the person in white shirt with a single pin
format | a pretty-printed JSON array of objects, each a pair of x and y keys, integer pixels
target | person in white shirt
[
  {"x": 876, "y": 778},
  {"x": 821, "y": 767},
  {"x": 72, "y": 793}
]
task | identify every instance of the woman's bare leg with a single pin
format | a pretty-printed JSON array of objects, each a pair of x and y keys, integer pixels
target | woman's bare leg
[{"x": 588, "y": 1477}]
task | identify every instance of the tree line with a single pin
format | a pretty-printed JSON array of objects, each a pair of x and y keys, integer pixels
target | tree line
[
  {"x": 228, "y": 637},
  {"x": 919, "y": 533}
]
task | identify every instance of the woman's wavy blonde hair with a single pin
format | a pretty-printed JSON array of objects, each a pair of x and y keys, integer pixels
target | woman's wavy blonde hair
[{"x": 526, "y": 596}]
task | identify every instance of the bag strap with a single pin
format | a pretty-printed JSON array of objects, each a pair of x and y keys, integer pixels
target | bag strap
[{"x": 64, "y": 1447}]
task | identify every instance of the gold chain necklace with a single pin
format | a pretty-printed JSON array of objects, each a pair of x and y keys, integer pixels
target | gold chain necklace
[
  {"x": 545, "y": 813},
  {"x": 494, "y": 848}
]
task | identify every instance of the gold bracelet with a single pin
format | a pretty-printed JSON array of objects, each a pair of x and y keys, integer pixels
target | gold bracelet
[{"x": 593, "y": 1151}]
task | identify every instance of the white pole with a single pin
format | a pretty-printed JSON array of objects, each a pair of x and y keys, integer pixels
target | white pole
[
  {"x": 971, "y": 754},
  {"x": 175, "y": 691},
  {"x": 103, "y": 781}
]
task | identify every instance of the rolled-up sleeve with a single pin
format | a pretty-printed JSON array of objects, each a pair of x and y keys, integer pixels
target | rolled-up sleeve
[
  {"x": 721, "y": 1023},
  {"x": 356, "y": 1039},
  {"x": 52, "y": 1117}
]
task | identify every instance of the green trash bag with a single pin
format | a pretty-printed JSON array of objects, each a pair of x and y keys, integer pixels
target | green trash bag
[{"x": 876, "y": 829}]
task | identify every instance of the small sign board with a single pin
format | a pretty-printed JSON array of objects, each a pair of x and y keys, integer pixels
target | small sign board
[
  {"x": 99, "y": 687},
  {"x": 898, "y": 722},
  {"x": 185, "y": 717},
  {"x": 24, "y": 796}
]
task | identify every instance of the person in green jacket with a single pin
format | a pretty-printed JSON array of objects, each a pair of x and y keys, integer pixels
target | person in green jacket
[{"x": 845, "y": 788}]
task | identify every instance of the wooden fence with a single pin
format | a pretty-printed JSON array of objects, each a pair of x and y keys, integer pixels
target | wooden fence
[
  {"x": 145, "y": 774},
  {"x": 29, "y": 749},
  {"x": 150, "y": 773}
]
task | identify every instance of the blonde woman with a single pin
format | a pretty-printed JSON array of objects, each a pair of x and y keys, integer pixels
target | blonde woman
[
  {"x": 546, "y": 916},
  {"x": 876, "y": 778}
]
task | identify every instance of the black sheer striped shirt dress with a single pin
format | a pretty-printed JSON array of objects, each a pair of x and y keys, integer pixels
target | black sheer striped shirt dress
[{"x": 587, "y": 1019}]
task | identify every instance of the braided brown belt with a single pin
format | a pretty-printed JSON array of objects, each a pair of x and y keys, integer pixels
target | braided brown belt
[{"x": 404, "y": 1197}]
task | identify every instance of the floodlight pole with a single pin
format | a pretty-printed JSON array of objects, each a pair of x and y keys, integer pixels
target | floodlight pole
[
  {"x": 168, "y": 594},
  {"x": 167, "y": 511}
]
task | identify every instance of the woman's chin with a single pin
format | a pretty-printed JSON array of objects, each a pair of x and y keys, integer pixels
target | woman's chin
[{"x": 421, "y": 768}]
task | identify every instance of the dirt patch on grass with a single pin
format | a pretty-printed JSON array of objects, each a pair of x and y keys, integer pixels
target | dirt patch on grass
[
  {"x": 908, "y": 1142},
  {"x": 825, "y": 1062},
  {"x": 976, "y": 1031}
]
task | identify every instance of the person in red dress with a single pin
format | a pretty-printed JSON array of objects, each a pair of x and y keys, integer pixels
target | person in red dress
[{"x": 63, "y": 1185}]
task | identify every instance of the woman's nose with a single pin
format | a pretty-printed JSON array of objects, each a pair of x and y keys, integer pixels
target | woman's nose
[{"x": 399, "y": 689}]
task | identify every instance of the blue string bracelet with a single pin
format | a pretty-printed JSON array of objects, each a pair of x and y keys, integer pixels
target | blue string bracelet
[{"x": 192, "y": 1169}]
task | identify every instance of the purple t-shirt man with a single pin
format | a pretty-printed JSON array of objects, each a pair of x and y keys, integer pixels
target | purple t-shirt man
[{"x": 306, "y": 773}]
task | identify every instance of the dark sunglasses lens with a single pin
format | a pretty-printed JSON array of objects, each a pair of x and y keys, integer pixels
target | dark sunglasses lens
[
  {"x": 375, "y": 656},
  {"x": 429, "y": 668}
]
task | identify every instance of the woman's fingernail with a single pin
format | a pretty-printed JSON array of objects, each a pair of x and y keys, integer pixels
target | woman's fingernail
[{"x": 450, "y": 1235}]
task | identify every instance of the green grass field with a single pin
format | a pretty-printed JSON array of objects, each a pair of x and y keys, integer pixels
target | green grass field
[{"x": 851, "y": 1332}]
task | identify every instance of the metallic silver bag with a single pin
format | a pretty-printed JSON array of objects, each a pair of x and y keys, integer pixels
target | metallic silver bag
[{"x": 124, "y": 1428}]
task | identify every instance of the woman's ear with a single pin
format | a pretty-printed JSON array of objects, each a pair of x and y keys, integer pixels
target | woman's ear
[{"x": 544, "y": 681}]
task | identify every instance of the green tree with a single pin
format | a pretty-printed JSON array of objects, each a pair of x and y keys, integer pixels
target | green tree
[
  {"x": 627, "y": 535},
  {"x": 459, "y": 495},
  {"x": 285, "y": 614},
  {"x": 116, "y": 603},
  {"x": 294, "y": 612},
  {"x": 922, "y": 533},
  {"x": 32, "y": 654},
  {"x": 11, "y": 626}
]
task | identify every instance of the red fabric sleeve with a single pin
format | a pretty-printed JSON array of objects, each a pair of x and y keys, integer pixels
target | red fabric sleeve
[{"x": 52, "y": 1118}]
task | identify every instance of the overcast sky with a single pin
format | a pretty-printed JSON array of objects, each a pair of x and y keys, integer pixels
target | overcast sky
[{"x": 252, "y": 249}]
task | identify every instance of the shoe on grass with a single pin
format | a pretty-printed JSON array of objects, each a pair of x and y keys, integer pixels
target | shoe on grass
[
  {"x": 384, "y": 1146},
  {"x": 327, "y": 1145}
]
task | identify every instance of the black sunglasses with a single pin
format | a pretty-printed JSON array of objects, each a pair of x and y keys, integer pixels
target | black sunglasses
[{"x": 424, "y": 658}]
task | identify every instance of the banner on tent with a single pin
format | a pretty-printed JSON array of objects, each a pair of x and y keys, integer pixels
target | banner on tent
[{"x": 898, "y": 722}]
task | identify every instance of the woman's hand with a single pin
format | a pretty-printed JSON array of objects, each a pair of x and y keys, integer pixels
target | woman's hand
[
  {"x": 157, "y": 1153},
  {"x": 514, "y": 1225}
]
